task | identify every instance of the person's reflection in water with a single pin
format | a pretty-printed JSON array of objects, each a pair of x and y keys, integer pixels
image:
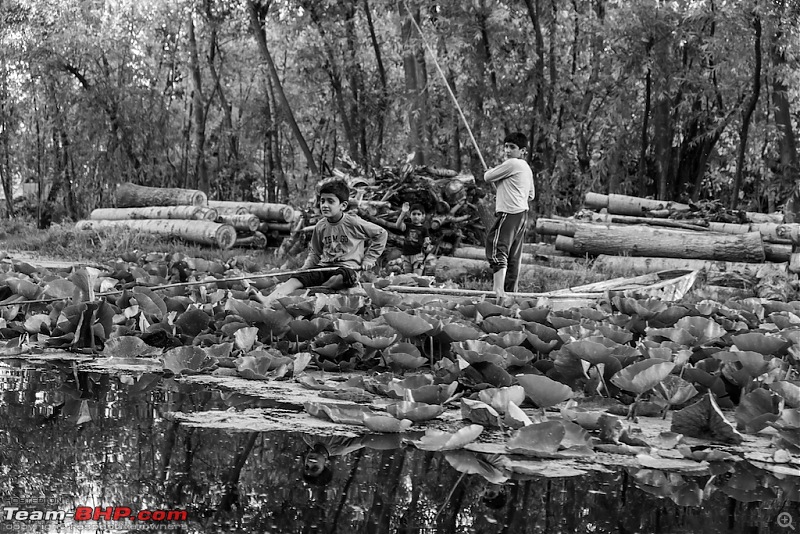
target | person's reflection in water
[
  {"x": 317, "y": 461},
  {"x": 493, "y": 496}
]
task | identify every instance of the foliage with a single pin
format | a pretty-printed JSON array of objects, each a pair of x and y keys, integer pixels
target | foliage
[{"x": 176, "y": 94}]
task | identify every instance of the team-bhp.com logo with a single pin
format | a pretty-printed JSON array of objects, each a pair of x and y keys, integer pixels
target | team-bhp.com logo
[{"x": 96, "y": 513}]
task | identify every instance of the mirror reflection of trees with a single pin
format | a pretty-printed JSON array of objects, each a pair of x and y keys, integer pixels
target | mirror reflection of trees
[{"x": 103, "y": 441}]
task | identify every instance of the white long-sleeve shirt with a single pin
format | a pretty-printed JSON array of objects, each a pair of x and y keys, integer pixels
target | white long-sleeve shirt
[{"x": 514, "y": 180}]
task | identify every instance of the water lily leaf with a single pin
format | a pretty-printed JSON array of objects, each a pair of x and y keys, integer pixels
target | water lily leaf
[
  {"x": 343, "y": 328},
  {"x": 188, "y": 360},
  {"x": 303, "y": 330},
  {"x": 192, "y": 322},
  {"x": 374, "y": 341},
  {"x": 348, "y": 414},
  {"x": 507, "y": 339},
  {"x": 245, "y": 338},
  {"x": 537, "y": 439},
  {"x": 300, "y": 362},
  {"x": 480, "y": 413},
  {"x": 543, "y": 333},
  {"x": 790, "y": 391},
  {"x": 438, "y": 440},
  {"x": 384, "y": 423},
  {"x": 576, "y": 437},
  {"x": 474, "y": 351},
  {"x": 461, "y": 332},
  {"x": 544, "y": 391},
  {"x": 407, "y": 325},
  {"x": 273, "y": 323},
  {"x": 150, "y": 302},
  {"x": 431, "y": 393},
  {"x": 704, "y": 419},
  {"x": 245, "y": 310},
  {"x": 753, "y": 363},
  {"x": 254, "y": 368},
  {"x": 676, "y": 390},
  {"x": 298, "y": 306},
  {"x": 487, "y": 309},
  {"x": 515, "y": 417},
  {"x": 519, "y": 356},
  {"x": 757, "y": 409},
  {"x": 486, "y": 373},
  {"x": 405, "y": 360},
  {"x": 491, "y": 467},
  {"x": 588, "y": 419},
  {"x": 768, "y": 345},
  {"x": 534, "y": 315},
  {"x": 37, "y": 324},
  {"x": 84, "y": 280},
  {"x": 129, "y": 347},
  {"x": 499, "y": 323},
  {"x": 705, "y": 455},
  {"x": 644, "y": 308},
  {"x": 415, "y": 411},
  {"x": 59, "y": 288},
  {"x": 541, "y": 346},
  {"x": 382, "y": 299},
  {"x": 590, "y": 350},
  {"x": 703, "y": 330},
  {"x": 498, "y": 398},
  {"x": 642, "y": 376}
]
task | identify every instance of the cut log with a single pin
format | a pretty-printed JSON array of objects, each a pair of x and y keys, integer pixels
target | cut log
[
  {"x": 248, "y": 222},
  {"x": 627, "y": 205},
  {"x": 255, "y": 240},
  {"x": 566, "y": 244},
  {"x": 231, "y": 210},
  {"x": 639, "y": 240},
  {"x": 479, "y": 253},
  {"x": 689, "y": 224},
  {"x": 556, "y": 226},
  {"x": 643, "y": 265},
  {"x": 265, "y": 211},
  {"x": 209, "y": 214},
  {"x": 777, "y": 253},
  {"x": 149, "y": 212},
  {"x": 133, "y": 196},
  {"x": 267, "y": 227},
  {"x": 207, "y": 232},
  {"x": 452, "y": 268}
]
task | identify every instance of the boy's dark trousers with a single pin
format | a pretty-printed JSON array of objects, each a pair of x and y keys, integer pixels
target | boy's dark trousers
[{"x": 504, "y": 245}]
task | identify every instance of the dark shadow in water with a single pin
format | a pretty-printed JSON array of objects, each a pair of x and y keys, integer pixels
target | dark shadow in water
[{"x": 88, "y": 439}]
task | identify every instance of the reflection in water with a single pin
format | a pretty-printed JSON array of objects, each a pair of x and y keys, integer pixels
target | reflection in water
[{"x": 87, "y": 439}]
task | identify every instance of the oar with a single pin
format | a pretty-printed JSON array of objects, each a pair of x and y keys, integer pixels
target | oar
[{"x": 184, "y": 284}]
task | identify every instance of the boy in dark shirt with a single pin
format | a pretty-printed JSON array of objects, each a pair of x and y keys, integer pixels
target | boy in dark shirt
[{"x": 417, "y": 247}]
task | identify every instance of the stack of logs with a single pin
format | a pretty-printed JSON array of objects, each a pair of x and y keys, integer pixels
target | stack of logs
[
  {"x": 188, "y": 214},
  {"x": 636, "y": 235}
]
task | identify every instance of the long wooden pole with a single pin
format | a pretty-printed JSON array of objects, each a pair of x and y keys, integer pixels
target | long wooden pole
[{"x": 184, "y": 284}]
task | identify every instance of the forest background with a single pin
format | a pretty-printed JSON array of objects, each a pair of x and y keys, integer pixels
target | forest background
[{"x": 258, "y": 99}]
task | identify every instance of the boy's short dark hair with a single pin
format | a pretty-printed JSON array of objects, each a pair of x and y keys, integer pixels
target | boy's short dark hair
[
  {"x": 417, "y": 207},
  {"x": 518, "y": 138},
  {"x": 339, "y": 188}
]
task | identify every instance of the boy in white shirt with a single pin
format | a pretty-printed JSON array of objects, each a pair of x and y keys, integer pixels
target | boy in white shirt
[{"x": 514, "y": 182}]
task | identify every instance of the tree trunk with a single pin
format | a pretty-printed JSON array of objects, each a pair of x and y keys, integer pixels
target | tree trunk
[
  {"x": 206, "y": 232},
  {"x": 623, "y": 265},
  {"x": 265, "y": 211},
  {"x": 154, "y": 212},
  {"x": 628, "y": 205},
  {"x": 247, "y": 222},
  {"x": 748, "y": 111},
  {"x": 662, "y": 109},
  {"x": 644, "y": 241},
  {"x": 383, "y": 95},
  {"x": 412, "y": 90},
  {"x": 783, "y": 114},
  {"x": 5, "y": 125},
  {"x": 255, "y": 25},
  {"x": 200, "y": 166},
  {"x": 132, "y": 196}
]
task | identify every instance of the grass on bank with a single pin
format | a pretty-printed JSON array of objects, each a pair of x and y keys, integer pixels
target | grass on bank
[{"x": 65, "y": 243}]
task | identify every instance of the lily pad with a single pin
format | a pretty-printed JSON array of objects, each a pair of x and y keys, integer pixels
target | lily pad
[
  {"x": 188, "y": 360},
  {"x": 537, "y": 439},
  {"x": 705, "y": 420},
  {"x": 642, "y": 376},
  {"x": 438, "y": 440},
  {"x": 544, "y": 391},
  {"x": 415, "y": 411},
  {"x": 407, "y": 325}
]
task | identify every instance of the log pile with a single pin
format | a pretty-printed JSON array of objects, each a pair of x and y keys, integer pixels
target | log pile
[
  {"x": 635, "y": 235},
  {"x": 188, "y": 214},
  {"x": 452, "y": 201}
]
